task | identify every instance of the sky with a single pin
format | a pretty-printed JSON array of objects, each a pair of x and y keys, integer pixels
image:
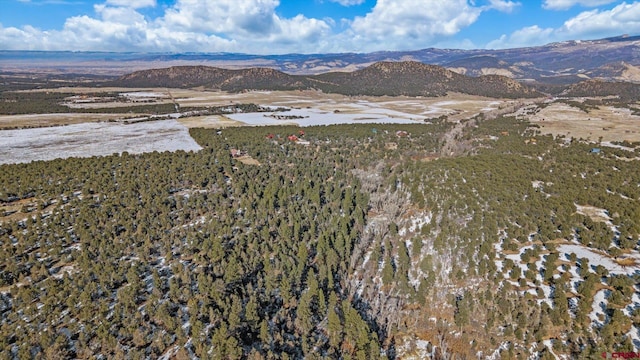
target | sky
[{"x": 306, "y": 26}]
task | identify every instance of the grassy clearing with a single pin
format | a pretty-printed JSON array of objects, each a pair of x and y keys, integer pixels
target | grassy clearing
[
  {"x": 596, "y": 214},
  {"x": 209, "y": 122},
  {"x": 456, "y": 106},
  {"x": 612, "y": 124},
  {"x": 46, "y": 120},
  {"x": 626, "y": 261},
  {"x": 248, "y": 160}
]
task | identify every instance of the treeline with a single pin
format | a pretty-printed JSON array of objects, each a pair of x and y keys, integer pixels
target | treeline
[
  {"x": 40, "y": 102},
  {"x": 21, "y": 103}
]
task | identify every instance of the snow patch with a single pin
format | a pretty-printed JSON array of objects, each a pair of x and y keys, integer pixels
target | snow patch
[
  {"x": 93, "y": 139},
  {"x": 596, "y": 259},
  {"x": 312, "y": 117}
]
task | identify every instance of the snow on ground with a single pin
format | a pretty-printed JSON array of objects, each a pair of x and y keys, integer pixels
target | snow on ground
[
  {"x": 575, "y": 277},
  {"x": 634, "y": 332},
  {"x": 68, "y": 269},
  {"x": 417, "y": 222},
  {"x": 93, "y": 139},
  {"x": 549, "y": 345},
  {"x": 311, "y": 117},
  {"x": 492, "y": 106},
  {"x": 616, "y": 146},
  {"x": 516, "y": 258},
  {"x": 596, "y": 259},
  {"x": 412, "y": 348},
  {"x": 367, "y": 256},
  {"x": 602, "y": 215},
  {"x": 592, "y": 211},
  {"x": 635, "y": 302},
  {"x": 143, "y": 94},
  {"x": 598, "y": 307}
]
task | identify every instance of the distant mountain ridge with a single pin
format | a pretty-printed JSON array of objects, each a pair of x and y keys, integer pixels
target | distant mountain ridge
[
  {"x": 556, "y": 63},
  {"x": 408, "y": 78},
  {"x": 624, "y": 91},
  {"x": 213, "y": 78}
]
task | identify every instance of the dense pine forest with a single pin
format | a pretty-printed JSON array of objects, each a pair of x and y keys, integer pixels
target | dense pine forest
[{"x": 347, "y": 247}]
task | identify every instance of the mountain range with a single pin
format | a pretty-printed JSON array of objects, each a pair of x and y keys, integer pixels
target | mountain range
[
  {"x": 611, "y": 59},
  {"x": 407, "y": 78}
]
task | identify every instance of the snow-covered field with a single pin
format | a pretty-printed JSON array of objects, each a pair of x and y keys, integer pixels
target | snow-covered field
[
  {"x": 106, "y": 138},
  {"x": 93, "y": 139},
  {"x": 312, "y": 116}
]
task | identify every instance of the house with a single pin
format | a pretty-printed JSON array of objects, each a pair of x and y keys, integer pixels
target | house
[
  {"x": 595, "y": 151},
  {"x": 237, "y": 153}
]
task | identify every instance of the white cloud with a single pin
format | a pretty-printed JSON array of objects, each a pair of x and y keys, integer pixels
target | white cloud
[
  {"x": 566, "y": 4},
  {"x": 246, "y": 20},
  {"x": 134, "y": 4},
  {"x": 624, "y": 18},
  {"x": 222, "y": 16},
  {"x": 531, "y": 35},
  {"x": 593, "y": 24},
  {"x": 404, "y": 24},
  {"x": 348, "y": 2},
  {"x": 504, "y": 6},
  {"x": 255, "y": 26},
  {"x": 250, "y": 26}
]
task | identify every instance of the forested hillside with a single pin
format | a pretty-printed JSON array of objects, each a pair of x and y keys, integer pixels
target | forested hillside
[
  {"x": 192, "y": 254},
  {"x": 408, "y": 78},
  {"x": 527, "y": 246},
  {"x": 368, "y": 242}
]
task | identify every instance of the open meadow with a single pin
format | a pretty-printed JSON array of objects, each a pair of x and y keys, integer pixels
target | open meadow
[
  {"x": 30, "y": 137},
  {"x": 112, "y": 130},
  {"x": 607, "y": 123}
]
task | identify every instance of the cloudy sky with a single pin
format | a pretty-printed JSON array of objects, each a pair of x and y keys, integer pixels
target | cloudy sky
[{"x": 306, "y": 26}]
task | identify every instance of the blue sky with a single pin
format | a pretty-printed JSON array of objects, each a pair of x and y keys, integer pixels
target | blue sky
[{"x": 306, "y": 26}]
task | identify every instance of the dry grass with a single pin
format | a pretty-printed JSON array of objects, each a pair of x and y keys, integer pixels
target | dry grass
[
  {"x": 209, "y": 122},
  {"x": 626, "y": 261},
  {"x": 596, "y": 214},
  {"x": 45, "y": 120},
  {"x": 14, "y": 209},
  {"x": 454, "y": 106},
  {"x": 612, "y": 124},
  {"x": 95, "y": 90},
  {"x": 248, "y": 160}
]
